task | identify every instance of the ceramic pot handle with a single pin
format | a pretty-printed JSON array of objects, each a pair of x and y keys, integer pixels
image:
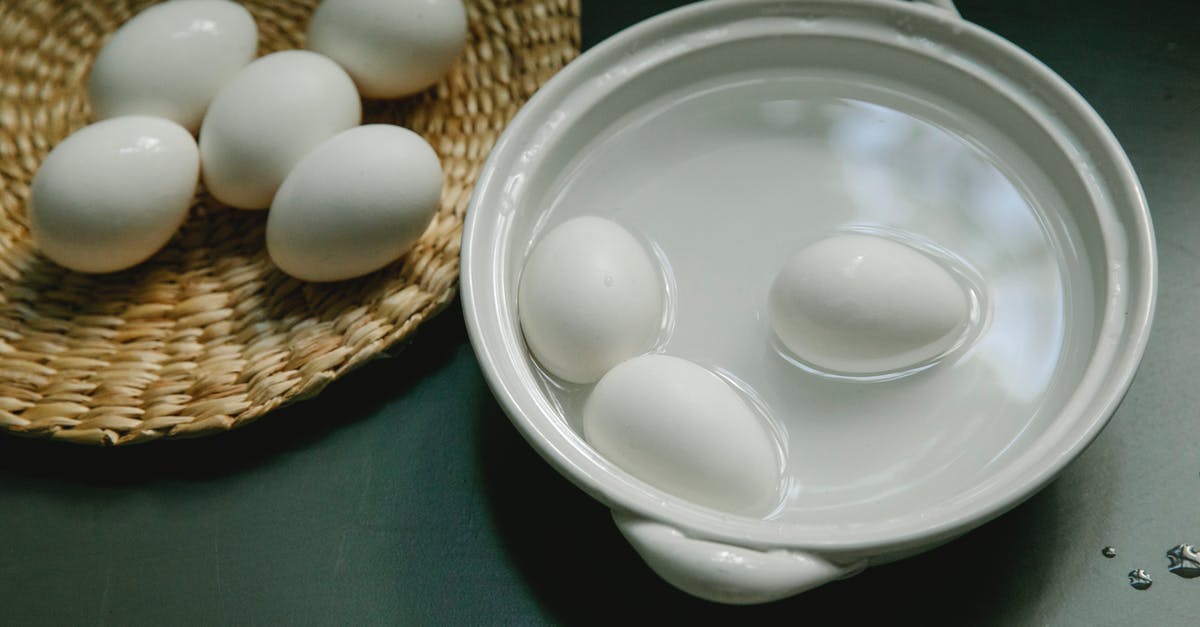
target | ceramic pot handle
[{"x": 723, "y": 572}]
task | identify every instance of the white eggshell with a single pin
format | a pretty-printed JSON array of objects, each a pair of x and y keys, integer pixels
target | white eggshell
[
  {"x": 590, "y": 297},
  {"x": 355, "y": 204},
  {"x": 684, "y": 430},
  {"x": 391, "y": 47},
  {"x": 171, "y": 59},
  {"x": 266, "y": 118},
  {"x": 112, "y": 193},
  {"x": 861, "y": 304}
]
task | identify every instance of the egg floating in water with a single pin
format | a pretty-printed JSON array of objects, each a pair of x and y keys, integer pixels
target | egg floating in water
[
  {"x": 590, "y": 297},
  {"x": 681, "y": 428},
  {"x": 355, "y": 204},
  {"x": 170, "y": 60},
  {"x": 390, "y": 47},
  {"x": 113, "y": 193},
  {"x": 267, "y": 118},
  {"x": 862, "y": 304}
]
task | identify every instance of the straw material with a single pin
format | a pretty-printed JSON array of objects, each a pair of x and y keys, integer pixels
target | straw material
[{"x": 207, "y": 335}]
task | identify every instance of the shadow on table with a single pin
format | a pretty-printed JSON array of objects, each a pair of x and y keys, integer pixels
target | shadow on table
[
  {"x": 293, "y": 427},
  {"x": 582, "y": 571}
]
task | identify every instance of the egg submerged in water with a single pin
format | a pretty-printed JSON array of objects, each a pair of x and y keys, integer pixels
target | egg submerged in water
[
  {"x": 863, "y": 305},
  {"x": 590, "y": 297},
  {"x": 681, "y": 428}
]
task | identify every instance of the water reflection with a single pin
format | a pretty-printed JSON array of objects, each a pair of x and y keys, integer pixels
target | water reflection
[
  {"x": 902, "y": 170},
  {"x": 731, "y": 181}
]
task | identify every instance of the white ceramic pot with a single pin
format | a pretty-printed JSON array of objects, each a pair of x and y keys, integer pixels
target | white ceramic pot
[{"x": 994, "y": 95}]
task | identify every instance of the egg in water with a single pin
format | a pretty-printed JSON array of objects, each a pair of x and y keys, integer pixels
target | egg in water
[
  {"x": 727, "y": 183},
  {"x": 861, "y": 304},
  {"x": 681, "y": 428},
  {"x": 111, "y": 194},
  {"x": 170, "y": 60},
  {"x": 590, "y": 297}
]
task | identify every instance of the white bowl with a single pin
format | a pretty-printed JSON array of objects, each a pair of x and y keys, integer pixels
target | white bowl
[{"x": 988, "y": 92}]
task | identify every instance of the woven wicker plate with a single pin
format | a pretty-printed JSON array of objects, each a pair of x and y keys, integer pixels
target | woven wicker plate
[{"x": 207, "y": 335}]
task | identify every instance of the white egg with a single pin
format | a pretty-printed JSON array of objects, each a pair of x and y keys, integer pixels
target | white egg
[
  {"x": 860, "y": 304},
  {"x": 170, "y": 60},
  {"x": 355, "y": 204},
  {"x": 266, "y": 118},
  {"x": 684, "y": 430},
  {"x": 391, "y": 47},
  {"x": 113, "y": 193},
  {"x": 590, "y": 297}
]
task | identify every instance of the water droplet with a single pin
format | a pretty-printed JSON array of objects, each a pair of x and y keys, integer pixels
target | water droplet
[
  {"x": 1140, "y": 579},
  {"x": 1108, "y": 552},
  {"x": 1184, "y": 561},
  {"x": 608, "y": 280}
]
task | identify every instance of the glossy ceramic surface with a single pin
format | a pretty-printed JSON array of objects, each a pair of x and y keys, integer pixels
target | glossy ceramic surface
[{"x": 973, "y": 85}]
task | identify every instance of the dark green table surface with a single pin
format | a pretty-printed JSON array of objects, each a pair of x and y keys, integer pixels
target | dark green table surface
[{"x": 402, "y": 495}]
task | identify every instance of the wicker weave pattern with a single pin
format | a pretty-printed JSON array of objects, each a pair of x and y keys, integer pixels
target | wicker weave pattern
[{"x": 208, "y": 335}]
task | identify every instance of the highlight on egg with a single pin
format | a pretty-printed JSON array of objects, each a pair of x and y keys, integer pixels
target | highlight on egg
[
  {"x": 862, "y": 304},
  {"x": 171, "y": 59},
  {"x": 590, "y": 296},
  {"x": 682, "y": 429},
  {"x": 113, "y": 193}
]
